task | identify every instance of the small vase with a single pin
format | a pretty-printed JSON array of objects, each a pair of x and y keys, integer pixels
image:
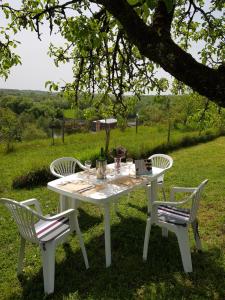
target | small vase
[{"x": 117, "y": 164}]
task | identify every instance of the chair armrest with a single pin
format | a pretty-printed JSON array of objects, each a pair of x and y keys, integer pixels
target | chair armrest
[
  {"x": 71, "y": 213},
  {"x": 34, "y": 202},
  {"x": 60, "y": 215},
  {"x": 172, "y": 203},
  {"x": 81, "y": 165},
  {"x": 175, "y": 190},
  {"x": 54, "y": 173}
]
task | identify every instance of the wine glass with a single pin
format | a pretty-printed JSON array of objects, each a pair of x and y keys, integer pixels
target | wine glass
[
  {"x": 87, "y": 164},
  {"x": 129, "y": 162}
]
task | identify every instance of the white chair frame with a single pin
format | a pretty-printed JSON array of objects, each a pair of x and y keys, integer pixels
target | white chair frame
[
  {"x": 62, "y": 167},
  {"x": 166, "y": 215},
  {"x": 162, "y": 161},
  {"x": 45, "y": 231}
]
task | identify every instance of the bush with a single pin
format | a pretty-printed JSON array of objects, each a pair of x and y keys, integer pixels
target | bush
[
  {"x": 32, "y": 132},
  {"x": 34, "y": 178}
]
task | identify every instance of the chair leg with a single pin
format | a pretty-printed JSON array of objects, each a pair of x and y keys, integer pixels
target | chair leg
[
  {"x": 21, "y": 256},
  {"x": 147, "y": 236},
  {"x": 48, "y": 260},
  {"x": 183, "y": 241},
  {"x": 196, "y": 235},
  {"x": 164, "y": 232},
  {"x": 78, "y": 232}
]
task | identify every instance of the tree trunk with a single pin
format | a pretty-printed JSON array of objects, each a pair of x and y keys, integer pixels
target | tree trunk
[{"x": 107, "y": 138}]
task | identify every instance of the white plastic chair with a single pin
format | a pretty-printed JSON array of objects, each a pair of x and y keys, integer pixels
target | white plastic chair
[
  {"x": 65, "y": 166},
  {"x": 169, "y": 216},
  {"x": 162, "y": 161},
  {"x": 45, "y": 231}
]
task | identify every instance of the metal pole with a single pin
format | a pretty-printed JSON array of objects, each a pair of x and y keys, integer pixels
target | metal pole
[
  {"x": 63, "y": 129},
  {"x": 136, "y": 123}
]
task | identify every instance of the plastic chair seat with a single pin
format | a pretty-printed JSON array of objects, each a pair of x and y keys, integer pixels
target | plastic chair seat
[
  {"x": 49, "y": 230},
  {"x": 173, "y": 215}
]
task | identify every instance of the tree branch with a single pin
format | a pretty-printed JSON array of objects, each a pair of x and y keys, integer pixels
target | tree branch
[{"x": 161, "y": 49}]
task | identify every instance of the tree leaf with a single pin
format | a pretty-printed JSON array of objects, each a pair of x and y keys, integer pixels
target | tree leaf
[
  {"x": 151, "y": 3},
  {"x": 132, "y": 2},
  {"x": 169, "y": 4}
]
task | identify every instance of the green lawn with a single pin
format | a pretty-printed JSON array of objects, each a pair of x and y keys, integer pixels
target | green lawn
[{"x": 161, "y": 277}]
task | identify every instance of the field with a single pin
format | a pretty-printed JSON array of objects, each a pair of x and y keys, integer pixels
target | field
[{"x": 161, "y": 277}]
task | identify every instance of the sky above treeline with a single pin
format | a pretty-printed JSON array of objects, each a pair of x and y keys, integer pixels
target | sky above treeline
[{"x": 37, "y": 67}]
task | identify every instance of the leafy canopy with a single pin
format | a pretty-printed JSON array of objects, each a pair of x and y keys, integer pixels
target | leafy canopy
[{"x": 117, "y": 46}]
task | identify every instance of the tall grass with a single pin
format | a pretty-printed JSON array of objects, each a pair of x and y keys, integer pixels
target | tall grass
[{"x": 39, "y": 153}]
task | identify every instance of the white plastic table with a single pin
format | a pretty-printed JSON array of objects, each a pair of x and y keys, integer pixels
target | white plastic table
[{"x": 104, "y": 192}]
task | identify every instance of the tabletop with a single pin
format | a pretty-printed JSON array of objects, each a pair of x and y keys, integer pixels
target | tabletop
[{"x": 85, "y": 186}]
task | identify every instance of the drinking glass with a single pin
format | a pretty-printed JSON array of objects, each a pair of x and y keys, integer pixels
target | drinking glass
[
  {"x": 129, "y": 162},
  {"x": 87, "y": 164}
]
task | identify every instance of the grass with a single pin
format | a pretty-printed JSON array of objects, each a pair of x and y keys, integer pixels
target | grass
[{"x": 161, "y": 277}]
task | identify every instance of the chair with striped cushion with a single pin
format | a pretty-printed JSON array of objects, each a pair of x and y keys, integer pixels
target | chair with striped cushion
[
  {"x": 46, "y": 231},
  {"x": 65, "y": 166},
  {"x": 172, "y": 216}
]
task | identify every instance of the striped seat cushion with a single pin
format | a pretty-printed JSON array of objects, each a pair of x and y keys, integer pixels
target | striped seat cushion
[
  {"x": 48, "y": 230},
  {"x": 174, "y": 215}
]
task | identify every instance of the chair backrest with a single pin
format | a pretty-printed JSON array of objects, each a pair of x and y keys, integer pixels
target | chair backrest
[
  {"x": 161, "y": 161},
  {"x": 64, "y": 166},
  {"x": 24, "y": 217},
  {"x": 195, "y": 196}
]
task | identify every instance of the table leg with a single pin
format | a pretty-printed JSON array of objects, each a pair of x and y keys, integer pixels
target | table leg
[
  {"x": 63, "y": 203},
  {"x": 74, "y": 203},
  {"x": 153, "y": 198},
  {"x": 107, "y": 235},
  {"x": 154, "y": 190}
]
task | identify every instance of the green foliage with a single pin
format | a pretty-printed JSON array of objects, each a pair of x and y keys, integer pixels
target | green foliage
[
  {"x": 32, "y": 132},
  {"x": 187, "y": 112},
  {"x": 10, "y": 129},
  {"x": 115, "y": 55},
  {"x": 35, "y": 110},
  {"x": 8, "y": 58}
]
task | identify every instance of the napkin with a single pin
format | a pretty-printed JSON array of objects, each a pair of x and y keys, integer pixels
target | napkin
[{"x": 76, "y": 186}]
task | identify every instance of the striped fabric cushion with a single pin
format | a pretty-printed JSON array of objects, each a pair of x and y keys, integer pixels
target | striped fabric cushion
[
  {"x": 170, "y": 214},
  {"x": 48, "y": 230}
]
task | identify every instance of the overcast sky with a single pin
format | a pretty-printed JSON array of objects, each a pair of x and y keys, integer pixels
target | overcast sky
[{"x": 37, "y": 67}]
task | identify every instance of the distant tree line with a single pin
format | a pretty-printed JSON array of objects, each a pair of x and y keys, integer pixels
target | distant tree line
[
  {"x": 26, "y": 116},
  {"x": 30, "y": 115}
]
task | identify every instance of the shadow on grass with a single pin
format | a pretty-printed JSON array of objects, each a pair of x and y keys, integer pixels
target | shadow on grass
[
  {"x": 86, "y": 220},
  {"x": 161, "y": 277}
]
